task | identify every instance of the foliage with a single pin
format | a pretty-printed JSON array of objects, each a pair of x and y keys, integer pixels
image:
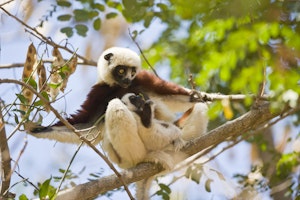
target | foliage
[
  {"x": 229, "y": 46},
  {"x": 226, "y": 49},
  {"x": 249, "y": 50},
  {"x": 164, "y": 191}
]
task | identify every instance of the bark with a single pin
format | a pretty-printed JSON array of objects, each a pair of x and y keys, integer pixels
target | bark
[
  {"x": 5, "y": 167},
  {"x": 250, "y": 121}
]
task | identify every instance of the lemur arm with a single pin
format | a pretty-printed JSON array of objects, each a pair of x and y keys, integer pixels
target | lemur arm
[{"x": 175, "y": 97}]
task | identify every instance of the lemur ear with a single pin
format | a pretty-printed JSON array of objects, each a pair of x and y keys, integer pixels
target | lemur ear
[{"x": 108, "y": 56}]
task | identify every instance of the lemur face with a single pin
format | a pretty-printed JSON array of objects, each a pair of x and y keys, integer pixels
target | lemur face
[
  {"x": 118, "y": 66},
  {"x": 133, "y": 102},
  {"x": 124, "y": 75}
]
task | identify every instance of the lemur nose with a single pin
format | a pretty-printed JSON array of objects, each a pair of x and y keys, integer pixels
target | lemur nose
[{"x": 127, "y": 81}]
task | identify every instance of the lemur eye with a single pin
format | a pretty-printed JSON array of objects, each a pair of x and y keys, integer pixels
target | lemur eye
[{"x": 121, "y": 71}]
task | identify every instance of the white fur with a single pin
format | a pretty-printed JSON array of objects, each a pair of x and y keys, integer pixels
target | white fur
[
  {"x": 128, "y": 142},
  {"x": 121, "y": 56},
  {"x": 121, "y": 139},
  {"x": 93, "y": 133}
]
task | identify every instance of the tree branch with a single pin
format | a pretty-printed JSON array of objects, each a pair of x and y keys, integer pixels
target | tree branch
[
  {"x": 94, "y": 188},
  {"x": 5, "y": 167},
  {"x": 250, "y": 121},
  {"x": 232, "y": 97}
]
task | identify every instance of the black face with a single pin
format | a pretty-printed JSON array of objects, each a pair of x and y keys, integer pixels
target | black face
[
  {"x": 138, "y": 101},
  {"x": 143, "y": 109},
  {"x": 124, "y": 75}
]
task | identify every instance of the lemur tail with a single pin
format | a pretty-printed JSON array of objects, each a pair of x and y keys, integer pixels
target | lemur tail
[{"x": 143, "y": 187}]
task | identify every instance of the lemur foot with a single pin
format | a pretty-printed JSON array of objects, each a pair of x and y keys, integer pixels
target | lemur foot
[
  {"x": 178, "y": 144},
  {"x": 195, "y": 96}
]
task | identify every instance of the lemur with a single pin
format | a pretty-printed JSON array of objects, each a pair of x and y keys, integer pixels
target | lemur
[
  {"x": 119, "y": 72},
  {"x": 132, "y": 135}
]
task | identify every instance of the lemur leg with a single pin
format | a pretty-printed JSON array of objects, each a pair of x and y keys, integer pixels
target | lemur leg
[
  {"x": 194, "y": 122},
  {"x": 121, "y": 132}
]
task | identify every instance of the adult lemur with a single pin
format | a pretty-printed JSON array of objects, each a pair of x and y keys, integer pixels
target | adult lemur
[
  {"x": 119, "y": 72},
  {"x": 132, "y": 135}
]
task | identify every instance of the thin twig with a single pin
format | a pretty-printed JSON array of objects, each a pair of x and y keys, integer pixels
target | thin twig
[
  {"x": 142, "y": 53},
  {"x": 195, "y": 94},
  {"x": 66, "y": 171},
  {"x": 20, "y": 154},
  {"x": 26, "y": 180},
  {"x": 47, "y": 40},
  {"x": 262, "y": 86},
  {"x": 6, "y": 3},
  {"x": 71, "y": 128},
  {"x": 16, "y": 65}
]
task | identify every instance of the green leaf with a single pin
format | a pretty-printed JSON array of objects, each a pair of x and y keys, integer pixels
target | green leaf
[
  {"x": 162, "y": 6},
  {"x": 20, "y": 111},
  {"x": 81, "y": 29},
  {"x": 148, "y": 19},
  {"x": 68, "y": 31},
  {"x": 16, "y": 118},
  {"x": 99, "y": 7},
  {"x": 65, "y": 68},
  {"x": 93, "y": 14},
  {"x": 44, "y": 189},
  {"x": 31, "y": 82},
  {"x": 165, "y": 196},
  {"x": 63, "y": 3},
  {"x": 22, "y": 99},
  {"x": 165, "y": 188},
  {"x": 113, "y": 4},
  {"x": 97, "y": 24},
  {"x": 62, "y": 75},
  {"x": 23, "y": 197},
  {"x": 45, "y": 95},
  {"x": 63, "y": 170},
  {"x": 54, "y": 85},
  {"x": 286, "y": 164},
  {"x": 111, "y": 15},
  {"x": 64, "y": 17},
  {"x": 38, "y": 103},
  {"x": 81, "y": 15}
]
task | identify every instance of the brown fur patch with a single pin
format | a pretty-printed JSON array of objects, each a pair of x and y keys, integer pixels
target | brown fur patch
[
  {"x": 151, "y": 82},
  {"x": 98, "y": 98},
  {"x": 183, "y": 118}
]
